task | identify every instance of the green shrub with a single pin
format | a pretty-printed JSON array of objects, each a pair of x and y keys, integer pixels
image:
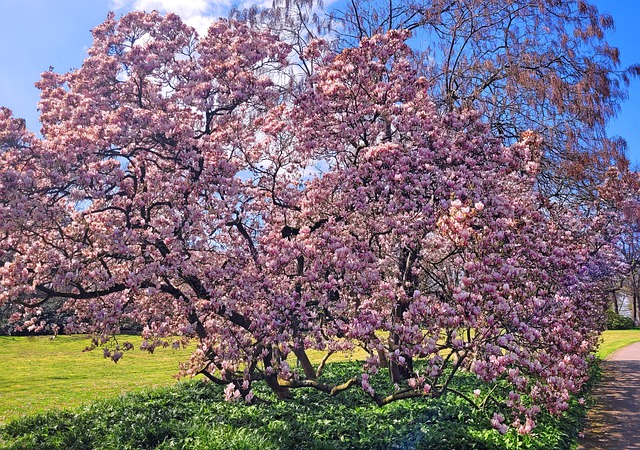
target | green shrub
[{"x": 619, "y": 322}]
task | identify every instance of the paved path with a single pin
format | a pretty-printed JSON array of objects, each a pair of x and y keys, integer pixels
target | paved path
[{"x": 614, "y": 420}]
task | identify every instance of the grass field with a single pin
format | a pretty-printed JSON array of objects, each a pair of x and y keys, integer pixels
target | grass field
[
  {"x": 38, "y": 374},
  {"x": 612, "y": 340}
]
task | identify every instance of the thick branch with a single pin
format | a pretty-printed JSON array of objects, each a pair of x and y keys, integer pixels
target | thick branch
[
  {"x": 84, "y": 295},
  {"x": 329, "y": 389},
  {"x": 323, "y": 363}
]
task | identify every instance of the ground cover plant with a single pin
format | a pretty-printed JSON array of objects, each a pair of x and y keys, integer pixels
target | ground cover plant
[{"x": 193, "y": 415}]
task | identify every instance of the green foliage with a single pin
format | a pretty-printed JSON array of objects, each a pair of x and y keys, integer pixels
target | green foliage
[
  {"x": 619, "y": 322},
  {"x": 193, "y": 415}
]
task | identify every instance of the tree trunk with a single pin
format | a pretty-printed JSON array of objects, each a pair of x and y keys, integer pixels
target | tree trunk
[
  {"x": 382, "y": 357},
  {"x": 281, "y": 391},
  {"x": 272, "y": 379},
  {"x": 404, "y": 371},
  {"x": 401, "y": 372},
  {"x": 303, "y": 359},
  {"x": 407, "y": 279}
]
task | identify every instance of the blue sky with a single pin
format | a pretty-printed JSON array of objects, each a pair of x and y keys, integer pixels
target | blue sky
[{"x": 37, "y": 34}]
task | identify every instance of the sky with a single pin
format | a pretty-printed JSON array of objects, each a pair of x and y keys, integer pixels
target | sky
[{"x": 38, "y": 34}]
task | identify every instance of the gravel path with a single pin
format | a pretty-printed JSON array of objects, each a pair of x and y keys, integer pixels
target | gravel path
[{"x": 614, "y": 420}]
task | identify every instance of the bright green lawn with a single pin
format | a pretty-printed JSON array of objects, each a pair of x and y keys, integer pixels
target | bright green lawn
[
  {"x": 39, "y": 373},
  {"x": 612, "y": 340}
]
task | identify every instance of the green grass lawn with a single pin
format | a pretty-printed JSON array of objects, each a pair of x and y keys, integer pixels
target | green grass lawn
[
  {"x": 612, "y": 340},
  {"x": 38, "y": 373}
]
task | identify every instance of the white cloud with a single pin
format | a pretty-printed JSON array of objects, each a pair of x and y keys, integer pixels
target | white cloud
[
  {"x": 185, "y": 9},
  {"x": 258, "y": 3},
  {"x": 118, "y": 4},
  {"x": 201, "y": 23},
  {"x": 196, "y": 13}
]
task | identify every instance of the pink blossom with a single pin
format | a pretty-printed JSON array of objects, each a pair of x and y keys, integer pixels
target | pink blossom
[{"x": 497, "y": 422}]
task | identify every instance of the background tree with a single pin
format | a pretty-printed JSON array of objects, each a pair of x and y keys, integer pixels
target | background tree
[
  {"x": 619, "y": 196},
  {"x": 543, "y": 66},
  {"x": 630, "y": 251}
]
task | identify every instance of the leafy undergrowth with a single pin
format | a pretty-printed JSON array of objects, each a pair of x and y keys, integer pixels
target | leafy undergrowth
[{"x": 193, "y": 415}]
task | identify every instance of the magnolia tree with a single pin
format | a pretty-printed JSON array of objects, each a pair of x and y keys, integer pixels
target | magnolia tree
[{"x": 180, "y": 185}]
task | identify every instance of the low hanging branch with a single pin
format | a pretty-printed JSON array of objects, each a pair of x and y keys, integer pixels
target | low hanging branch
[
  {"x": 357, "y": 381},
  {"x": 323, "y": 363},
  {"x": 329, "y": 389}
]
